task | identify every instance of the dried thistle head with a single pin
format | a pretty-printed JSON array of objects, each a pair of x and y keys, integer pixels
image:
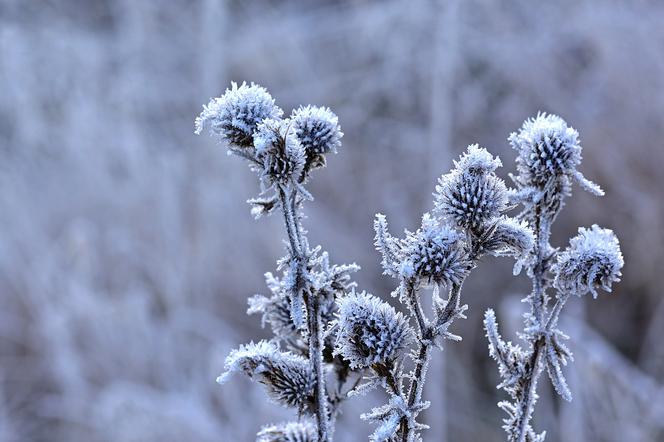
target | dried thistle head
[
  {"x": 279, "y": 151},
  {"x": 592, "y": 260},
  {"x": 303, "y": 431},
  {"x": 370, "y": 331},
  {"x": 235, "y": 115},
  {"x": 288, "y": 378},
  {"x": 434, "y": 254},
  {"x": 471, "y": 195},
  {"x": 548, "y": 154}
]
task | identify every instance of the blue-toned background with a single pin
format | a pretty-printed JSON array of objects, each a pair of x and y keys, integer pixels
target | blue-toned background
[{"x": 127, "y": 251}]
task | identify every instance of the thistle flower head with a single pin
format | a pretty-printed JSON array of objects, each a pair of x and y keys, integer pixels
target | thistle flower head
[
  {"x": 235, "y": 115},
  {"x": 593, "y": 259},
  {"x": 279, "y": 151},
  {"x": 548, "y": 151},
  {"x": 370, "y": 331},
  {"x": 510, "y": 237},
  {"x": 435, "y": 254},
  {"x": 471, "y": 194},
  {"x": 288, "y": 378},
  {"x": 303, "y": 431},
  {"x": 317, "y": 128}
]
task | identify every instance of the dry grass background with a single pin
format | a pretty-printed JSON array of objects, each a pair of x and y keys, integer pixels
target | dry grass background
[{"x": 127, "y": 251}]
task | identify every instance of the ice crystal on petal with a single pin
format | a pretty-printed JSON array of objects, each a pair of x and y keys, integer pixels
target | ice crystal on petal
[
  {"x": 471, "y": 194},
  {"x": 593, "y": 259},
  {"x": 370, "y": 331},
  {"x": 235, "y": 115},
  {"x": 304, "y": 431},
  {"x": 288, "y": 378}
]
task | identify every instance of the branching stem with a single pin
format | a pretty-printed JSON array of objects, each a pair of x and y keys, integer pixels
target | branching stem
[{"x": 288, "y": 199}]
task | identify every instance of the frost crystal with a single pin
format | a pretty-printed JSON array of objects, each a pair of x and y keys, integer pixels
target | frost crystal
[
  {"x": 434, "y": 254},
  {"x": 472, "y": 194},
  {"x": 370, "y": 331},
  {"x": 549, "y": 151},
  {"x": 279, "y": 151},
  {"x": 593, "y": 259},
  {"x": 288, "y": 432},
  {"x": 288, "y": 378},
  {"x": 235, "y": 115}
]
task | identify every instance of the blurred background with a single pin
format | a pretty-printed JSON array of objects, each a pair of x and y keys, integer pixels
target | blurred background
[{"x": 127, "y": 251}]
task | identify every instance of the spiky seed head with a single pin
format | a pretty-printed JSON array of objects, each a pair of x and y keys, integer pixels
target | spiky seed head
[
  {"x": 288, "y": 378},
  {"x": 317, "y": 128},
  {"x": 235, "y": 115},
  {"x": 303, "y": 431},
  {"x": 592, "y": 260},
  {"x": 279, "y": 151},
  {"x": 548, "y": 151},
  {"x": 434, "y": 254},
  {"x": 370, "y": 331},
  {"x": 510, "y": 237},
  {"x": 471, "y": 194}
]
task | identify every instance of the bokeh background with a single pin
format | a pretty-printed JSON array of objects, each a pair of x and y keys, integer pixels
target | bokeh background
[{"x": 127, "y": 251}]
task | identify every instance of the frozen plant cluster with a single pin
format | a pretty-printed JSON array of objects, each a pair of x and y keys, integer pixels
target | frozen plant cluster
[
  {"x": 332, "y": 342},
  {"x": 294, "y": 364},
  {"x": 548, "y": 153}
]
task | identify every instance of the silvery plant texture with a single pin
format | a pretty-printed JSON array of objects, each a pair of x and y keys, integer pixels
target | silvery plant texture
[{"x": 332, "y": 341}]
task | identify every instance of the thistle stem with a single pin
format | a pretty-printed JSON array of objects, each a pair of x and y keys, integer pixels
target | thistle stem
[
  {"x": 289, "y": 207},
  {"x": 424, "y": 354},
  {"x": 538, "y": 310}
]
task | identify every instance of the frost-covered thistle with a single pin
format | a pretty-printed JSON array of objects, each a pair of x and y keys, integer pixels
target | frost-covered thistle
[
  {"x": 288, "y": 432},
  {"x": 283, "y": 152},
  {"x": 470, "y": 202},
  {"x": 593, "y": 259},
  {"x": 370, "y": 331},
  {"x": 471, "y": 195},
  {"x": 548, "y": 156},
  {"x": 319, "y": 131},
  {"x": 287, "y": 377},
  {"x": 235, "y": 115}
]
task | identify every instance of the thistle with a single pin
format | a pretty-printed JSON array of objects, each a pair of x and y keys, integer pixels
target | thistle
[
  {"x": 548, "y": 156},
  {"x": 468, "y": 222},
  {"x": 283, "y": 153}
]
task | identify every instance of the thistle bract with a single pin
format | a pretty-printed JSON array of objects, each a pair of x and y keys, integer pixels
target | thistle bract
[
  {"x": 593, "y": 259},
  {"x": 370, "y": 331},
  {"x": 235, "y": 115}
]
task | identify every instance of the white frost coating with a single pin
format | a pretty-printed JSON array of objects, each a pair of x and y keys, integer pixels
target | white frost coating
[{"x": 593, "y": 259}]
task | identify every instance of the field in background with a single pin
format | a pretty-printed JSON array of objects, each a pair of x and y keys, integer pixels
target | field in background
[{"x": 127, "y": 251}]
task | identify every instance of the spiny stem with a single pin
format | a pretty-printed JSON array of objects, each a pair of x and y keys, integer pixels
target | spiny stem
[
  {"x": 538, "y": 308},
  {"x": 426, "y": 342},
  {"x": 289, "y": 207}
]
